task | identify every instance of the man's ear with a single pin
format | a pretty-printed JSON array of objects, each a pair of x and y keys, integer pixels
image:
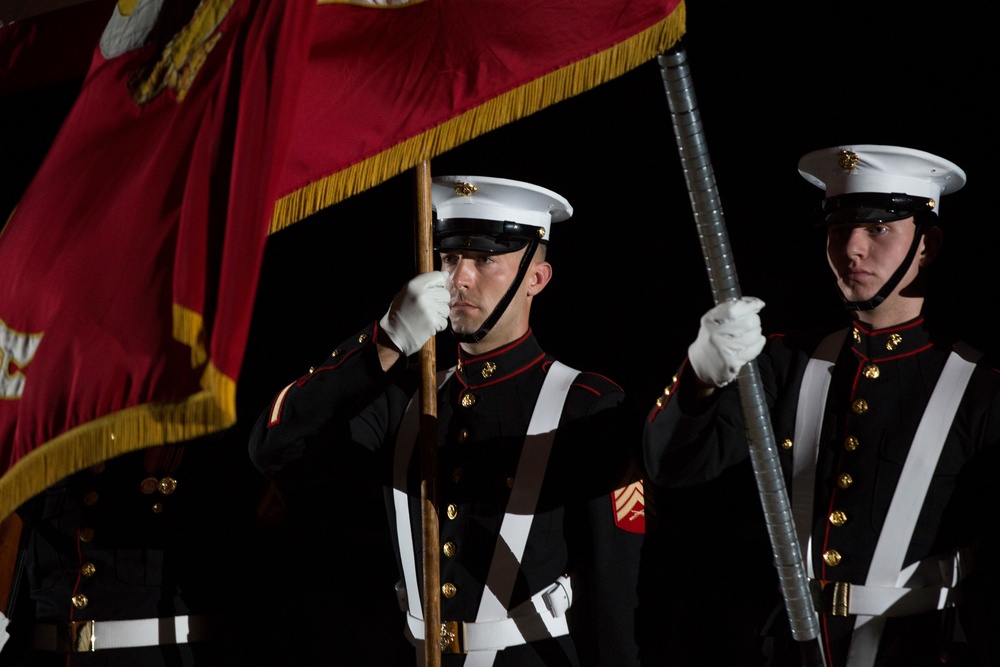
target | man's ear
[
  {"x": 933, "y": 240},
  {"x": 539, "y": 275}
]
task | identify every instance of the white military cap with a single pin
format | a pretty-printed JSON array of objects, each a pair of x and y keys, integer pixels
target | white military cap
[
  {"x": 493, "y": 214},
  {"x": 889, "y": 180}
]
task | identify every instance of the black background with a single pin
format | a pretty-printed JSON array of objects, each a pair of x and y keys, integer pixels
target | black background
[{"x": 773, "y": 81}]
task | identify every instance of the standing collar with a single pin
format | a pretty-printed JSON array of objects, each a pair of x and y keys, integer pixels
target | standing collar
[
  {"x": 896, "y": 341},
  {"x": 500, "y": 364}
]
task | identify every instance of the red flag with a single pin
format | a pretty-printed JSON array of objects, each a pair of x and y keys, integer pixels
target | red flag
[
  {"x": 128, "y": 270},
  {"x": 388, "y": 87},
  {"x": 129, "y": 266}
]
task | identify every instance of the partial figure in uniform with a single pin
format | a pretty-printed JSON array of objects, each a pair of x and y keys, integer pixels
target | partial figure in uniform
[
  {"x": 886, "y": 430},
  {"x": 521, "y": 436},
  {"x": 144, "y": 560}
]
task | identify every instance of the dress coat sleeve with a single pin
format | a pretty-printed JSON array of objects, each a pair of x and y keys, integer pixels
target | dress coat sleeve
[
  {"x": 347, "y": 399},
  {"x": 689, "y": 440}
]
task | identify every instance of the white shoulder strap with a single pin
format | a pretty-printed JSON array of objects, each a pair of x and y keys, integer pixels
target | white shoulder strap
[
  {"x": 521, "y": 505},
  {"x": 805, "y": 445},
  {"x": 908, "y": 499},
  {"x": 523, "y": 500},
  {"x": 406, "y": 439}
]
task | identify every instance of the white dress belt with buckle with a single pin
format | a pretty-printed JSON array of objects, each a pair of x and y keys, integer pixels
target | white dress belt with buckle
[
  {"x": 498, "y": 635},
  {"x": 541, "y": 617},
  {"x": 82, "y": 636},
  {"x": 853, "y": 600}
]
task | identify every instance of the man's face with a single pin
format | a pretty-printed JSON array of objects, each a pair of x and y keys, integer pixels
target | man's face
[
  {"x": 476, "y": 282},
  {"x": 864, "y": 256}
]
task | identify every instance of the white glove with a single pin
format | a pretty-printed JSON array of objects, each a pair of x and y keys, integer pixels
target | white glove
[
  {"x": 417, "y": 312},
  {"x": 729, "y": 338}
]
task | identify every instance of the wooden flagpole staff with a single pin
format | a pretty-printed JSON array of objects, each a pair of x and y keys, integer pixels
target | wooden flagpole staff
[{"x": 428, "y": 435}]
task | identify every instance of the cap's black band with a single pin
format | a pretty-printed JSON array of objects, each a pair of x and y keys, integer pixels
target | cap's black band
[
  {"x": 483, "y": 235},
  {"x": 873, "y": 207}
]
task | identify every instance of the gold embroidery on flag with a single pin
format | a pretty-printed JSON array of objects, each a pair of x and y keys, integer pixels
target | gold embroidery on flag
[{"x": 183, "y": 56}]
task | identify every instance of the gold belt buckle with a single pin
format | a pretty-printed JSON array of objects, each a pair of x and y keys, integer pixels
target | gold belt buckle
[
  {"x": 80, "y": 636},
  {"x": 832, "y": 597},
  {"x": 452, "y": 637},
  {"x": 841, "y": 598}
]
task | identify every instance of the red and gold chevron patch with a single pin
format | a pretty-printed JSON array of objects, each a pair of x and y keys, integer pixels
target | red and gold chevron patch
[{"x": 629, "y": 504}]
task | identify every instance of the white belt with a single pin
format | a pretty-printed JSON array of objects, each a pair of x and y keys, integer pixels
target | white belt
[
  {"x": 541, "y": 617},
  {"x": 83, "y": 636},
  {"x": 844, "y": 599}
]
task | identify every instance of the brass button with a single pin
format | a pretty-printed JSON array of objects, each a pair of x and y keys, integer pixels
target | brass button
[
  {"x": 468, "y": 400},
  {"x": 335, "y": 353},
  {"x": 452, "y": 511},
  {"x": 660, "y": 401},
  {"x": 456, "y": 475},
  {"x": 449, "y": 549},
  {"x": 488, "y": 369},
  {"x": 87, "y": 570},
  {"x": 168, "y": 485},
  {"x": 510, "y": 482},
  {"x": 871, "y": 371},
  {"x": 844, "y": 480},
  {"x": 90, "y": 498},
  {"x": 786, "y": 443},
  {"x": 838, "y": 518},
  {"x": 860, "y": 406},
  {"x": 893, "y": 342},
  {"x": 157, "y": 508},
  {"x": 149, "y": 485},
  {"x": 851, "y": 443},
  {"x": 312, "y": 369},
  {"x": 362, "y": 338},
  {"x": 832, "y": 558},
  {"x": 463, "y": 435},
  {"x": 448, "y": 590},
  {"x": 458, "y": 364},
  {"x": 80, "y": 601},
  {"x": 86, "y": 534},
  {"x": 856, "y": 334}
]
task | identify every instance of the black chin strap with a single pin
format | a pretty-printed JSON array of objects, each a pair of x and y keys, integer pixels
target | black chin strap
[
  {"x": 890, "y": 284},
  {"x": 501, "y": 306}
]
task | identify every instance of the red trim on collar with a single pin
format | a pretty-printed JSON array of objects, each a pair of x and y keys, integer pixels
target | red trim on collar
[
  {"x": 520, "y": 370},
  {"x": 473, "y": 358},
  {"x": 898, "y": 327}
]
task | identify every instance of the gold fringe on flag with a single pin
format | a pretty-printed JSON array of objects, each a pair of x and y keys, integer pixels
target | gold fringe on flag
[
  {"x": 124, "y": 431},
  {"x": 501, "y": 110},
  {"x": 189, "y": 328}
]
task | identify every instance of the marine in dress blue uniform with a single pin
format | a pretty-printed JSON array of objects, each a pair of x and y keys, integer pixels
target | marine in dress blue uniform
[
  {"x": 131, "y": 562},
  {"x": 849, "y": 455},
  {"x": 571, "y": 587}
]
